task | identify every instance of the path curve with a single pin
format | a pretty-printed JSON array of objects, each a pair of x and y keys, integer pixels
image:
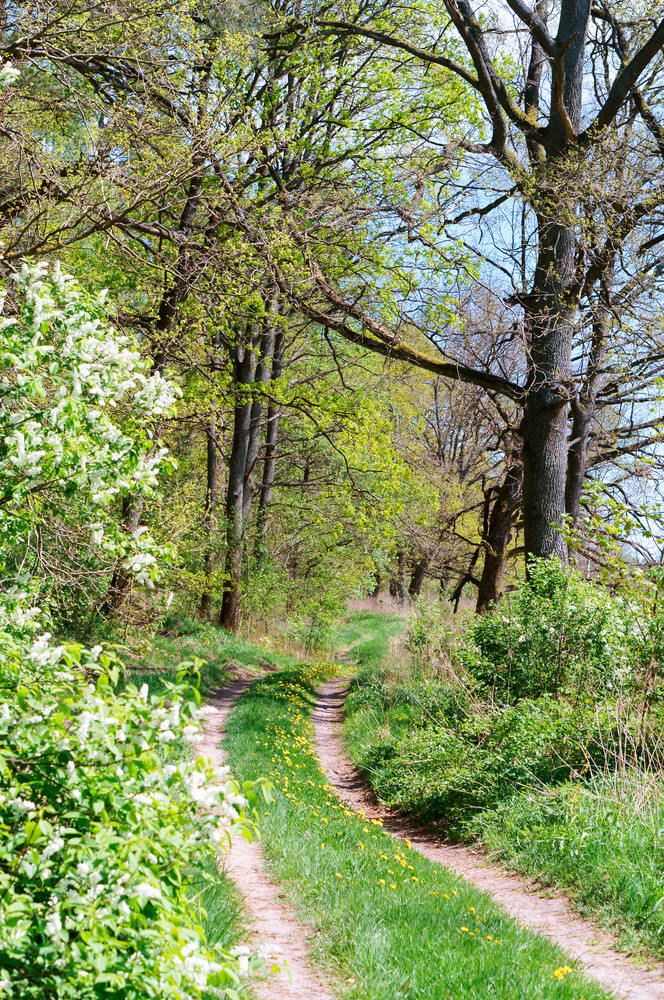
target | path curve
[
  {"x": 273, "y": 922},
  {"x": 553, "y": 918}
]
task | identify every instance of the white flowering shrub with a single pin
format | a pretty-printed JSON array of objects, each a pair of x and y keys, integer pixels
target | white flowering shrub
[
  {"x": 98, "y": 837},
  {"x": 77, "y": 408},
  {"x": 106, "y": 821}
]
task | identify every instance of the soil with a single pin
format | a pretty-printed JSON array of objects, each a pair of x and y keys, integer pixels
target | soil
[
  {"x": 553, "y": 918},
  {"x": 273, "y": 922}
]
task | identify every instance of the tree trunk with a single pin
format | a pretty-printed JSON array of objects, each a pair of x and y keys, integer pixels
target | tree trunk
[
  {"x": 584, "y": 404},
  {"x": 270, "y": 462},
  {"x": 209, "y": 517},
  {"x": 262, "y": 376},
  {"x": 132, "y": 508},
  {"x": 551, "y": 306},
  {"x": 417, "y": 577},
  {"x": 544, "y": 427},
  {"x": 504, "y": 513},
  {"x": 398, "y": 581},
  {"x": 244, "y": 369}
]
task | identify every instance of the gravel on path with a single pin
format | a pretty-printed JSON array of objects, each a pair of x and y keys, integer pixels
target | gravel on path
[{"x": 552, "y": 917}]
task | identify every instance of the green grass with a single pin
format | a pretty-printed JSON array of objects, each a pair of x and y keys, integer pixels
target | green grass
[
  {"x": 390, "y": 923},
  {"x": 222, "y": 918},
  {"x": 501, "y": 777},
  {"x": 365, "y": 636},
  {"x": 593, "y": 841},
  {"x": 155, "y": 660}
]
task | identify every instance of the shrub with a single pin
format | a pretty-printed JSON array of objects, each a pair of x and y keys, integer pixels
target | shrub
[
  {"x": 97, "y": 833},
  {"x": 558, "y": 633}
]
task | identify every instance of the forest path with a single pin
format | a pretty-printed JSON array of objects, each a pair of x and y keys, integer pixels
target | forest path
[
  {"x": 273, "y": 922},
  {"x": 553, "y": 918}
]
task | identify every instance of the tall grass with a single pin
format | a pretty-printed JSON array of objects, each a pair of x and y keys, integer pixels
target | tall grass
[{"x": 600, "y": 840}]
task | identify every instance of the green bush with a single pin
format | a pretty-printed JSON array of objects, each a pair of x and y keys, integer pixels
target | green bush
[
  {"x": 448, "y": 773},
  {"x": 473, "y": 758},
  {"x": 102, "y": 832},
  {"x": 557, "y": 635}
]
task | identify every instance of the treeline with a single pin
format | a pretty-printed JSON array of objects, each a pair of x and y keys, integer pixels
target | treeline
[{"x": 403, "y": 265}]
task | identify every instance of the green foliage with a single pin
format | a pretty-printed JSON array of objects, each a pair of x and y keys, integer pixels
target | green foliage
[
  {"x": 429, "y": 629},
  {"x": 92, "y": 820},
  {"x": 449, "y": 770},
  {"x": 108, "y": 822},
  {"x": 558, "y": 633},
  {"x": 154, "y": 661}
]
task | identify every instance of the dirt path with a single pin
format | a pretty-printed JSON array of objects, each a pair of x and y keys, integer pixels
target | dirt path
[
  {"x": 554, "y": 918},
  {"x": 273, "y": 921}
]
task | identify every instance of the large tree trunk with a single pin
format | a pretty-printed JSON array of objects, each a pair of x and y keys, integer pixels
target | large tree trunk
[
  {"x": 244, "y": 370},
  {"x": 270, "y": 461},
  {"x": 551, "y": 306},
  {"x": 502, "y": 519}
]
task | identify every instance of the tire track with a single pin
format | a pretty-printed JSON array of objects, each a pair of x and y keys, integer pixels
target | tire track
[
  {"x": 553, "y": 918},
  {"x": 273, "y": 923}
]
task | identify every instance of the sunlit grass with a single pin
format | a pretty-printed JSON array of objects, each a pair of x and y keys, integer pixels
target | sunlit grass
[{"x": 601, "y": 841}]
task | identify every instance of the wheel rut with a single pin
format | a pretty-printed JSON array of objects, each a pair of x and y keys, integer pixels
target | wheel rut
[
  {"x": 553, "y": 918},
  {"x": 273, "y": 923}
]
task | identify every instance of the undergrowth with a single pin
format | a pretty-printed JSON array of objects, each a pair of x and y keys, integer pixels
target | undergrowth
[
  {"x": 563, "y": 789},
  {"x": 390, "y": 923}
]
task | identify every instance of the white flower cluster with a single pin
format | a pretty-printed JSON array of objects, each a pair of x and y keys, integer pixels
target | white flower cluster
[
  {"x": 64, "y": 373},
  {"x": 8, "y": 74},
  {"x": 56, "y": 343},
  {"x": 103, "y": 751}
]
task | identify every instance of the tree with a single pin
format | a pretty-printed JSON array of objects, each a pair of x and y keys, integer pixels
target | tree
[{"x": 571, "y": 192}]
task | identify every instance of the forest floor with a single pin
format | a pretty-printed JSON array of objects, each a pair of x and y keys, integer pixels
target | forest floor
[{"x": 271, "y": 897}]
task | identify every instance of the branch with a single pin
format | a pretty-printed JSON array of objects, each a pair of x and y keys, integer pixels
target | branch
[
  {"x": 536, "y": 25},
  {"x": 624, "y": 83},
  {"x": 348, "y": 27}
]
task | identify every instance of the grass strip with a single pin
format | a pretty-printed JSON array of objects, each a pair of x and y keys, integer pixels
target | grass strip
[
  {"x": 391, "y": 924},
  {"x": 600, "y": 841}
]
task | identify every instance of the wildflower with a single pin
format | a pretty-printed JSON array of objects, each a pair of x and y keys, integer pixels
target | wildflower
[
  {"x": 52, "y": 847},
  {"x": 145, "y": 891},
  {"x": 563, "y": 971}
]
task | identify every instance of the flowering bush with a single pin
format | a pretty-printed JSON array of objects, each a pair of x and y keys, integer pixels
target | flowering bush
[
  {"x": 557, "y": 632},
  {"x": 105, "y": 820},
  {"x": 98, "y": 837},
  {"x": 77, "y": 405}
]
